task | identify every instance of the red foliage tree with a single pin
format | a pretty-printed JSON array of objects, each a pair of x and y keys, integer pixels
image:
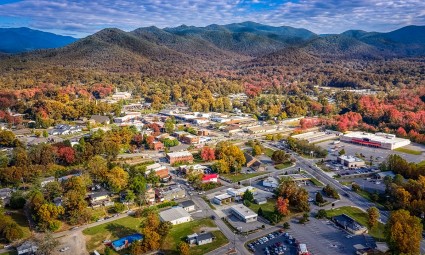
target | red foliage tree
[
  {"x": 401, "y": 132},
  {"x": 66, "y": 154},
  {"x": 208, "y": 154},
  {"x": 282, "y": 205}
]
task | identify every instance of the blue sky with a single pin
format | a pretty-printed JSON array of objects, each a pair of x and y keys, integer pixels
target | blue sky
[{"x": 80, "y": 18}]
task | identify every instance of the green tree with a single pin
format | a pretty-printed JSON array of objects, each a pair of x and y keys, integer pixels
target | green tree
[
  {"x": 248, "y": 195},
  {"x": 319, "y": 198},
  {"x": 98, "y": 168},
  {"x": 321, "y": 214},
  {"x": 257, "y": 150},
  {"x": 341, "y": 152},
  {"x": 280, "y": 157},
  {"x": 119, "y": 207}
]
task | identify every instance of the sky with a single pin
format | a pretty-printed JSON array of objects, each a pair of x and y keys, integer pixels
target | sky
[{"x": 80, "y": 18}]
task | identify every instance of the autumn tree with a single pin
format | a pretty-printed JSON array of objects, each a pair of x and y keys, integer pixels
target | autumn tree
[
  {"x": 403, "y": 232},
  {"x": 280, "y": 156},
  {"x": 373, "y": 216},
  {"x": 47, "y": 216},
  {"x": 207, "y": 153},
  {"x": 117, "y": 178},
  {"x": 184, "y": 248},
  {"x": 282, "y": 206},
  {"x": 257, "y": 150},
  {"x": 98, "y": 168},
  {"x": 231, "y": 157}
]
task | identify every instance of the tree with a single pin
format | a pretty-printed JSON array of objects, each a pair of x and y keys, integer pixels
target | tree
[
  {"x": 260, "y": 212},
  {"x": 404, "y": 232},
  {"x": 231, "y": 157},
  {"x": 331, "y": 192},
  {"x": 7, "y": 138},
  {"x": 117, "y": 178},
  {"x": 12, "y": 232},
  {"x": 248, "y": 196},
  {"x": 373, "y": 216},
  {"x": 304, "y": 219},
  {"x": 98, "y": 168},
  {"x": 47, "y": 216},
  {"x": 321, "y": 214},
  {"x": 66, "y": 155},
  {"x": 169, "y": 126},
  {"x": 257, "y": 150},
  {"x": 119, "y": 207},
  {"x": 207, "y": 153},
  {"x": 164, "y": 228},
  {"x": 282, "y": 206},
  {"x": 319, "y": 198},
  {"x": 341, "y": 152},
  {"x": 184, "y": 248},
  {"x": 280, "y": 157},
  {"x": 17, "y": 200}
]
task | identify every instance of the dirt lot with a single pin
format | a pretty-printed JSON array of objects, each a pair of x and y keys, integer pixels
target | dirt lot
[{"x": 76, "y": 243}]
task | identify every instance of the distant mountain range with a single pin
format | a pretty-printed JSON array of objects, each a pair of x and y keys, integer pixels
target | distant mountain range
[
  {"x": 200, "y": 47},
  {"x": 15, "y": 40}
]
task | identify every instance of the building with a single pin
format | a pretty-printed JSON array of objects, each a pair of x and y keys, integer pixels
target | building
[
  {"x": 253, "y": 162},
  {"x": 210, "y": 178},
  {"x": 346, "y": 222},
  {"x": 382, "y": 175},
  {"x": 188, "y": 205},
  {"x": 190, "y": 139},
  {"x": 128, "y": 117},
  {"x": 192, "y": 168},
  {"x": 378, "y": 140},
  {"x": 99, "y": 119},
  {"x": 150, "y": 196},
  {"x": 158, "y": 169},
  {"x": 27, "y": 247},
  {"x": 126, "y": 241},
  {"x": 67, "y": 177},
  {"x": 121, "y": 95},
  {"x": 204, "y": 238},
  {"x": 191, "y": 239},
  {"x": 175, "y": 215},
  {"x": 169, "y": 193},
  {"x": 98, "y": 196},
  {"x": 180, "y": 157},
  {"x": 243, "y": 213},
  {"x": 238, "y": 193},
  {"x": 261, "y": 129},
  {"x": 157, "y": 146},
  {"x": 350, "y": 161},
  {"x": 270, "y": 182},
  {"x": 260, "y": 200},
  {"x": 47, "y": 180},
  {"x": 222, "y": 199},
  {"x": 65, "y": 130}
]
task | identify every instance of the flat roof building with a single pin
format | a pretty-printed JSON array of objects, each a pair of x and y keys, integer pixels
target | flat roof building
[
  {"x": 349, "y": 224},
  {"x": 175, "y": 215},
  {"x": 126, "y": 241},
  {"x": 180, "y": 156},
  {"x": 244, "y": 213},
  {"x": 378, "y": 140},
  {"x": 350, "y": 161}
]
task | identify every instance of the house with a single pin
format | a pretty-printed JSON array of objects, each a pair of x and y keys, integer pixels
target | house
[
  {"x": 99, "y": 119},
  {"x": 210, "y": 178},
  {"x": 47, "y": 180},
  {"x": 190, "y": 139},
  {"x": 350, "y": 161},
  {"x": 253, "y": 162},
  {"x": 67, "y": 177},
  {"x": 238, "y": 193},
  {"x": 5, "y": 195},
  {"x": 98, "y": 196},
  {"x": 28, "y": 247},
  {"x": 204, "y": 238},
  {"x": 180, "y": 157},
  {"x": 244, "y": 213},
  {"x": 175, "y": 215},
  {"x": 121, "y": 95},
  {"x": 193, "y": 168},
  {"x": 260, "y": 200},
  {"x": 203, "y": 132},
  {"x": 346, "y": 222},
  {"x": 169, "y": 193},
  {"x": 126, "y": 241},
  {"x": 188, "y": 205},
  {"x": 150, "y": 196},
  {"x": 222, "y": 199},
  {"x": 158, "y": 169},
  {"x": 157, "y": 146},
  {"x": 261, "y": 129},
  {"x": 191, "y": 239},
  {"x": 270, "y": 182},
  {"x": 65, "y": 130}
]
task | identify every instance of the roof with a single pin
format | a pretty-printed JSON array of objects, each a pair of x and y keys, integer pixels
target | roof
[
  {"x": 174, "y": 213},
  {"x": 179, "y": 154},
  {"x": 100, "y": 118},
  {"x": 26, "y": 245},
  {"x": 207, "y": 177},
  {"x": 99, "y": 194},
  {"x": 129, "y": 239},
  {"x": 350, "y": 158},
  {"x": 385, "y": 174},
  {"x": 347, "y": 221},
  {"x": 243, "y": 210},
  {"x": 222, "y": 196},
  {"x": 187, "y": 203},
  {"x": 378, "y": 137},
  {"x": 271, "y": 180},
  {"x": 204, "y": 236}
]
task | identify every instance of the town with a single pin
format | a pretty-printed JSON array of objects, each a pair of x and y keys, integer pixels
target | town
[{"x": 178, "y": 181}]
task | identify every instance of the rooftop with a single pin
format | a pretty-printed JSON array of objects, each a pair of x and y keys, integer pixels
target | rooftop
[
  {"x": 187, "y": 203},
  {"x": 179, "y": 154},
  {"x": 350, "y": 158},
  {"x": 243, "y": 210},
  {"x": 173, "y": 214},
  {"x": 378, "y": 137},
  {"x": 204, "y": 236}
]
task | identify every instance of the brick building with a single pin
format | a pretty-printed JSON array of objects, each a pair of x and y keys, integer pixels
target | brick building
[{"x": 181, "y": 156}]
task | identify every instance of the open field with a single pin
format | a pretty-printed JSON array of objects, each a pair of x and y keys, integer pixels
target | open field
[
  {"x": 409, "y": 151},
  {"x": 283, "y": 165},
  {"x": 268, "y": 208},
  {"x": 268, "y": 152},
  {"x": 179, "y": 232},
  {"x": 9, "y": 253},
  {"x": 360, "y": 216},
  {"x": 111, "y": 231}
]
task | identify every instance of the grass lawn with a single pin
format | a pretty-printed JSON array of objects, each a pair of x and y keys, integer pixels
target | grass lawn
[
  {"x": 179, "y": 232},
  {"x": 268, "y": 208},
  {"x": 316, "y": 182},
  {"x": 9, "y": 253},
  {"x": 361, "y": 217},
  {"x": 268, "y": 152},
  {"x": 409, "y": 151},
  {"x": 110, "y": 231},
  {"x": 283, "y": 165},
  {"x": 240, "y": 177},
  {"x": 22, "y": 221}
]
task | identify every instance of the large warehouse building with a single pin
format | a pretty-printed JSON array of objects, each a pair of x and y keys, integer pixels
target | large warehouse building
[{"x": 378, "y": 140}]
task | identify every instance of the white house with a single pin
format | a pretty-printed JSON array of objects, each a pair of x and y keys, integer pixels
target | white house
[{"x": 175, "y": 215}]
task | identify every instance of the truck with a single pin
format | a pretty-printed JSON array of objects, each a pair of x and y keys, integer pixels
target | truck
[{"x": 302, "y": 249}]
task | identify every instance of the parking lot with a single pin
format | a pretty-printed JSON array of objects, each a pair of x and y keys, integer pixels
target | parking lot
[
  {"x": 323, "y": 237},
  {"x": 274, "y": 244},
  {"x": 378, "y": 154}
]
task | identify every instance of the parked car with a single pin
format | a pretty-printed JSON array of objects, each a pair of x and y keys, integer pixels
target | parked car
[{"x": 64, "y": 249}]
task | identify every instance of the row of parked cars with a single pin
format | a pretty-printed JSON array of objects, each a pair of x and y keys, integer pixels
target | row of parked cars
[{"x": 272, "y": 246}]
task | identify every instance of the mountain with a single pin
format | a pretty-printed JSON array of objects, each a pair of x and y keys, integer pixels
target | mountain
[{"x": 14, "y": 40}]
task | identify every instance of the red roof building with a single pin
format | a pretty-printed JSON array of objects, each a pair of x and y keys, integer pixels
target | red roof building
[{"x": 210, "y": 178}]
